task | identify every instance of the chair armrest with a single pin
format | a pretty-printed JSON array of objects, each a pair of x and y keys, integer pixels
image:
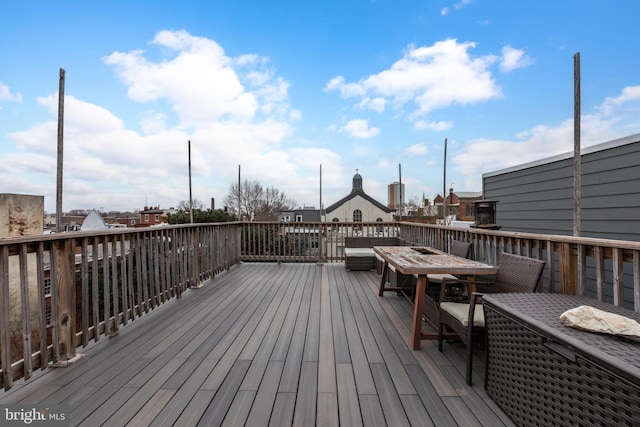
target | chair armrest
[
  {"x": 474, "y": 299},
  {"x": 465, "y": 283}
]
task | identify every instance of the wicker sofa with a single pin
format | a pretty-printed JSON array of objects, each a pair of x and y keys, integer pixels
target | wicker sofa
[{"x": 359, "y": 254}]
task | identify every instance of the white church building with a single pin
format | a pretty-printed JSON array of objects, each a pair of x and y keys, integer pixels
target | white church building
[{"x": 358, "y": 206}]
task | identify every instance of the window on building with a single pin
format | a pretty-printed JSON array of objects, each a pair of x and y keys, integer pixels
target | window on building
[
  {"x": 146, "y": 217},
  {"x": 133, "y": 222},
  {"x": 298, "y": 218},
  {"x": 379, "y": 228},
  {"x": 47, "y": 315},
  {"x": 157, "y": 217},
  {"x": 47, "y": 286},
  {"x": 357, "y": 215}
]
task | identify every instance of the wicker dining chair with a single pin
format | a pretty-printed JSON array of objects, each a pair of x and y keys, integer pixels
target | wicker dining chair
[
  {"x": 434, "y": 281},
  {"x": 515, "y": 274}
]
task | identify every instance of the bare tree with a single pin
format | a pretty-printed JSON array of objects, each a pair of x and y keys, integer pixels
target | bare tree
[
  {"x": 254, "y": 200},
  {"x": 184, "y": 205}
]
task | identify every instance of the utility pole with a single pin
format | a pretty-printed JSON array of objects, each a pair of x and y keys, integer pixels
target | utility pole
[
  {"x": 239, "y": 195},
  {"x": 400, "y": 189},
  {"x": 444, "y": 186},
  {"x": 190, "y": 193},
  {"x": 60, "y": 152},
  {"x": 577, "y": 174}
]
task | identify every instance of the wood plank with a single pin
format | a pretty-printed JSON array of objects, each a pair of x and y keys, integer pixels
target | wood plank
[
  {"x": 362, "y": 373},
  {"x": 89, "y": 404},
  {"x": 340, "y": 345},
  {"x": 239, "y": 410},
  {"x": 261, "y": 358},
  {"x": 251, "y": 333},
  {"x": 312, "y": 337},
  {"x": 430, "y": 398},
  {"x": 371, "y": 409},
  {"x": 389, "y": 353},
  {"x": 326, "y": 361},
  {"x": 348, "y": 405},
  {"x": 389, "y": 399},
  {"x": 194, "y": 409},
  {"x": 266, "y": 396},
  {"x": 283, "y": 408},
  {"x": 222, "y": 400},
  {"x": 170, "y": 412},
  {"x": 327, "y": 410},
  {"x": 291, "y": 370},
  {"x": 416, "y": 413},
  {"x": 99, "y": 414},
  {"x": 364, "y": 328},
  {"x": 305, "y": 412},
  {"x": 149, "y": 411},
  {"x": 472, "y": 400},
  {"x": 142, "y": 395}
]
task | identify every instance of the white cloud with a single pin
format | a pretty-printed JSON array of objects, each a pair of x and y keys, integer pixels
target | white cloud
[
  {"x": 457, "y": 6},
  {"x": 437, "y": 126},
  {"x": 6, "y": 95},
  {"x": 513, "y": 59},
  {"x": 359, "y": 128},
  {"x": 629, "y": 94},
  {"x": 200, "y": 82},
  {"x": 429, "y": 77},
  {"x": 235, "y": 111},
  {"x": 419, "y": 149},
  {"x": 614, "y": 118}
]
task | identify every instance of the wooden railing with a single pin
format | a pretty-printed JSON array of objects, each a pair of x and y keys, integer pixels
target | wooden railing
[
  {"x": 60, "y": 292},
  {"x": 608, "y": 270}
]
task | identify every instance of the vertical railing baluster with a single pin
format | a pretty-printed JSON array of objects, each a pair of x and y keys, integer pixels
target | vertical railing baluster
[
  {"x": 95, "y": 286},
  {"x": 84, "y": 289},
  {"x": 5, "y": 336},
  {"x": 113, "y": 258},
  {"x": 618, "y": 277},
  {"x": 44, "y": 357},
  {"x": 105, "y": 286}
]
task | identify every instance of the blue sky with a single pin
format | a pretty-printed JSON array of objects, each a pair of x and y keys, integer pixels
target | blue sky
[{"x": 282, "y": 87}]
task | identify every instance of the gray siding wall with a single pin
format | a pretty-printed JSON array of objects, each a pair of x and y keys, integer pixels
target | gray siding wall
[{"x": 538, "y": 197}]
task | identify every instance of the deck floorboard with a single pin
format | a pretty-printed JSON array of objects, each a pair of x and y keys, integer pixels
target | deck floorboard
[{"x": 269, "y": 344}]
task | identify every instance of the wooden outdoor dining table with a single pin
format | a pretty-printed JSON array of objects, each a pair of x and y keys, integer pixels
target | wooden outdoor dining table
[{"x": 421, "y": 261}]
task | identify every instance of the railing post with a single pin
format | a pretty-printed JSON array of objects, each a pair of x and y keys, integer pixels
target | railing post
[
  {"x": 197, "y": 253},
  {"x": 321, "y": 234},
  {"x": 66, "y": 319},
  {"x": 568, "y": 269}
]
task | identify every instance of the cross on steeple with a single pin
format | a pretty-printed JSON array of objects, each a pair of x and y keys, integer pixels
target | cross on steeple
[{"x": 357, "y": 170}]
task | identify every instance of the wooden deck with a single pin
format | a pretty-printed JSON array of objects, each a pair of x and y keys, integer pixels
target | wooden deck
[{"x": 269, "y": 344}]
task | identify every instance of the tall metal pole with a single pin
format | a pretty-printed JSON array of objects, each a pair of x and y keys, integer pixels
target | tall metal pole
[
  {"x": 320, "y": 192},
  {"x": 60, "y": 152},
  {"x": 239, "y": 196},
  {"x": 444, "y": 186},
  {"x": 321, "y": 228},
  {"x": 190, "y": 193},
  {"x": 577, "y": 175},
  {"x": 400, "y": 189}
]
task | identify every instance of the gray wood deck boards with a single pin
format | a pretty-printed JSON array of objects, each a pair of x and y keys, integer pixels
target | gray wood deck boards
[{"x": 269, "y": 344}]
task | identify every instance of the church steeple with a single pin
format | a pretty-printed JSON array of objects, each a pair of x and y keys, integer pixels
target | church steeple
[{"x": 357, "y": 182}]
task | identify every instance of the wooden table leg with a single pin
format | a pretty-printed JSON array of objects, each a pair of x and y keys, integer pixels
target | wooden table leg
[
  {"x": 418, "y": 306},
  {"x": 383, "y": 278}
]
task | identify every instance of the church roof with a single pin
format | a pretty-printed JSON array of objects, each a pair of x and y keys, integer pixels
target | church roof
[{"x": 357, "y": 190}]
